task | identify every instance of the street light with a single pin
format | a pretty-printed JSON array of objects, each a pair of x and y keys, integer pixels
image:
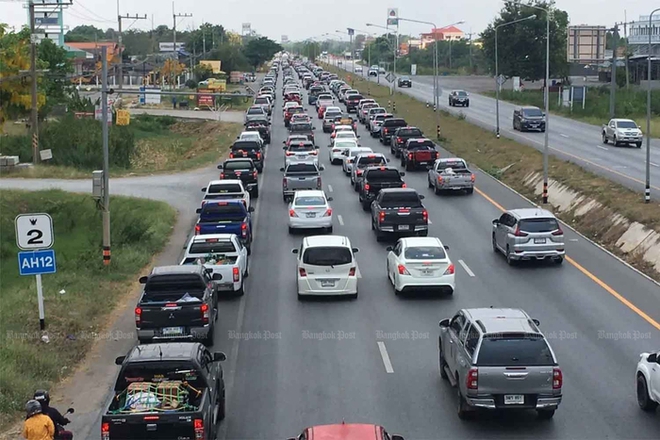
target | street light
[
  {"x": 394, "y": 52},
  {"x": 368, "y": 45},
  {"x": 497, "y": 75},
  {"x": 647, "y": 191}
]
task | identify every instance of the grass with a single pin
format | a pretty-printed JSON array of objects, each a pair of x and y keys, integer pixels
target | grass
[
  {"x": 183, "y": 146},
  {"x": 511, "y": 162},
  {"x": 630, "y": 104},
  {"x": 140, "y": 229}
]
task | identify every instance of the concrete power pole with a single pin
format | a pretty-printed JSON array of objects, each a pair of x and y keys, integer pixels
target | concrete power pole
[
  {"x": 33, "y": 73},
  {"x": 176, "y": 53},
  {"x": 615, "y": 38},
  {"x": 106, "y": 157},
  {"x": 470, "y": 47},
  {"x": 121, "y": 46}
]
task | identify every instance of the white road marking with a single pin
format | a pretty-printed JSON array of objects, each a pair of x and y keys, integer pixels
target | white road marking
[
  {"x": 572, "y": 239},
  {"x": 385, "y": 356},
  {"x": 654, "y": 164},
  {"x": 602, "y": 148},
  {"x": 340, "y": 219},
  {"x": 330, "y": 188},
  {"x": 563, "y": 135},
  {"x": 430, "y": 222},
  {"x": 467, "y": 269},
  {"x": 619, "y": 167}
]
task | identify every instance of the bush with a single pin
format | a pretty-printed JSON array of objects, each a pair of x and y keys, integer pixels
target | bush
[{"x": 152, "y": 124}]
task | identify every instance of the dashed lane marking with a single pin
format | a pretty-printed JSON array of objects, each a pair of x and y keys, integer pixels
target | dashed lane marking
[
  {"x": 340, "y": 219},
  {"x": 467, "y": 269},
  {"x": 385, "y": 357}
]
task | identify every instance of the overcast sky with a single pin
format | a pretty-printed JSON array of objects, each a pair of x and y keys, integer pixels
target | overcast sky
[{"x": 300, "y": 19}]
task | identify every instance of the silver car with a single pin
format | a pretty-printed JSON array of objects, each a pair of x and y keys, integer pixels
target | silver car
[
  {"x": 348, "y": 157},
  {"x": 528, "y": 234},
  {"x": 310, "y": 210},
  {"x": 300, "y": 176},
  {"x": 301, "y": 152}
]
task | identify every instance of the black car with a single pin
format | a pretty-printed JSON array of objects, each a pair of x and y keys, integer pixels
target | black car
[
  {"x": 375, "y": 179},
  {"x": 248, "y": 149},
  {"x": 303, "y": 128},
  {"x": 528, "y": 118},
  {"x": 404, "y": 81},
  {"x": 399, "y": 211},
  {"x": 401, "y": 136},
  {"x": 262, "y": 126},
  {"x": 243, "y": 170},
  {"x": 459, "y": 97},
  {"x": 389, "y": 127}
]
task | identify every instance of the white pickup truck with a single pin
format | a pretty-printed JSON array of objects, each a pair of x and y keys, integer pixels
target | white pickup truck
[
  {"x": 622, "y": 131},
  {"x": 225, "y": 255},
  {"x": 231, "y": 189}
]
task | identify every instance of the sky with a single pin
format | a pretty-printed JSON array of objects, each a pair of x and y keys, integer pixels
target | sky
[{"x": 301, "y": 19}]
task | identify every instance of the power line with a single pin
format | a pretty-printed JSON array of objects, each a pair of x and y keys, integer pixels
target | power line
[{"x": 92, "y": 12}]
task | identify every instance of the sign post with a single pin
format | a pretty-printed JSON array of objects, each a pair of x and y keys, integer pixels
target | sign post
[{"x": 34, "y": 235}]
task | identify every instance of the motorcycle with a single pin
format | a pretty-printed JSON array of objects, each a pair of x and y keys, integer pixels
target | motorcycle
[{"x": 59, "y": 428}]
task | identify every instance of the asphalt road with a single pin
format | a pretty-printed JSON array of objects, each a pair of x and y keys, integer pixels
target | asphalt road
[
  {"x": 293, "y": 364},
  {"x": 568, "y": 139}
]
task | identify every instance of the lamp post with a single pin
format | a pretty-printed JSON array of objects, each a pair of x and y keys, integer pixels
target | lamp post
[
  {"x": 350, "y": 46},
  {"x": 497, "y": 75},
  {"x": 394, "y": 52},
  {"x": 647, "y": 190},
  {"x": 371, "y": 34}
]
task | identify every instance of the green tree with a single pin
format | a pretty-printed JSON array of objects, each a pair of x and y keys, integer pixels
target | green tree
[
  {"x": 232, "y": 57},
  {"x": 260, "y": 50},
  {"x": 213, "y": 34},
  {"x": 84, "y": 33},
  {"x": 55, "y": 84},
  {"x": 521, "y": 46}
]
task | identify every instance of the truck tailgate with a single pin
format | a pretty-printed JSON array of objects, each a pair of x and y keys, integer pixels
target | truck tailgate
[
  {"x": 457, "y": 179},
  {"x": 176, "y": 317},
  {"x": 174, "y": 426},
  {"x": 222, "y": 227},
  {"x": 424, "y": 156},
  {"x": 302, "y": 182},
  {"x": 404, "y": 216},
  {"x": 516, "y": 386}
]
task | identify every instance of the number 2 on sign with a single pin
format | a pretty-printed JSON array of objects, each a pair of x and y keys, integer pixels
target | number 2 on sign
[{"x": 35, "y": 236}]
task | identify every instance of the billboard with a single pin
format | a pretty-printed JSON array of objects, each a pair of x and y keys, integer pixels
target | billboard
[
  {"x": 214, "y": 65},
  {"x": 247, "y": 28},
  {"x": 46, "y": 19},
  {"x": 204, "y": 100},
  {"x": 285, "y": 39},
  {"x": 169, "y": 47},
  {"x": 392, "y": 16}
]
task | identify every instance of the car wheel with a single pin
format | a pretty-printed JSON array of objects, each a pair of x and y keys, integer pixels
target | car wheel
[
  {"x": 463, "y": 409},
  {"x": 428, "y": 179},
  {"x": 643, "y": 399},
  {"x": 604, "y": 137},
  {"x": 247, "y": 269},
  {"x": 300, "y": 297},
  {"x": 373, "y": 224},
  {"x": 467, "y": 105},
  {"x": 436, "y": 190},
  {"x": 284, "y": 198},
  {"x": 638, "y": 144},
  {"x": 442, "y": 364},
  {"x": 210, "y": 337},
  {"x": 494, "y": 243},
  {"x": 559, "y": 260},
  {"x": 255, "y": 193},
  {"x": 329, "y": 230},
  {"x": 291, "y": 231},
  {"x": 366, "y": 206},
  {"x": 353, "y": 295},
  {"x": 356, "y": 187},
  {"x": 510, "y": 261},
  {"x": 469, "y": 190},
  {"x": 423, "y": 233},
  {"x": 241, "y": 290},
  {"x": 221, "y": 406},
  {"x": 545, "y": 414},
  {"x": 614, "y": 141}
]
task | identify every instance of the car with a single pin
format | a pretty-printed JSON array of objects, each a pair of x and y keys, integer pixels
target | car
[
  {"x": 352, "y": 102},
  {"x": 420, "y": 264},
  {"x": 227, "y": 189},
  {"x": 418, "y": 153},
  {"x": 622, "y": 131},
  {"x": 343, "y": 134},
  {"x": 335, "y": 152},
  {"x": 300, "y": 117},
  {"x": 310, "y": 210},
  {"x": 404, "y": 81},
  {"x": 348, "y": 157},
  {"x": 364, "y": 161},
  {"x": 371, "y": 113},
  {"x": 374, "y": 180},
  {"x": 255, "y": 112},
  {"x": 346, "y": 120},
  {"x": 249, "y": 149},
  {"x": 326, "y": 266},
  {"x": 301, "y": 152},
  {"x": 295, "y": 139},
  {"x": 303, "y": 128},
  {"x": 388, "y": 127},
  {"x": 528, "y": 234},
  {"x": 498, "y": 359},
  {"x": 648, "y": 381},
  {"x": 265, "y": 102},
  {"x": 314, "y": 93},
  {"x": 243, "y": 169},
  {"x": 251, "y": 136},
  {"x": 363, "y": 109},
  {"x": 376, "y": 123},
  {"x": 346, "y": 431},
  {"x": 358, "y": 69},
  {"x": 401, "y": 136},
  {"x": 226, "y": 217},
  {"x": 262, "y": 126},
  {"x": 527, "y": 118},
  {"x": 290, "y": 111},
  {"x": 459, "y": 97},
  {"x": 373, "y": 72},
  {"x": 329, "y": 121}
]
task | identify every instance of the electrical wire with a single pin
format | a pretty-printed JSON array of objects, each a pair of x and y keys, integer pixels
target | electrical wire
[{"x": 78, "y": 3}]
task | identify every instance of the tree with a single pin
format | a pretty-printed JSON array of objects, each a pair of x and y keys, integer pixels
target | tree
[
  {"x": 55, "y": 83},
  {"x": 232, "y": 57},
  {"x": 172, "y": 68},
  {"x": 260, "y": 50},
  {"x": 202, "y": 73},
  {"x": 214, "y": 35},
  {"x": 84, "y": 33},
  {"x": 521, "y": 46}
]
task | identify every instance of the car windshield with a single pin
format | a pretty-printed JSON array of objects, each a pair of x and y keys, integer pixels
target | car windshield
[
  {"x": 250, "y": 135},
  {"x": 532, "y": 112},
  {"x": 255, "y": 111},
  {"x": 238, "y": 165},
  {"x": 626, "y": 124},
  {"x": 301, "y": 127},
  {"x": 511, "y": 350},
  {"x": 211, "y": 246},
  {"x": 327, "y": 256},
  {"x": 405, "y": 78},
  {"x": 404, "y": 198},
  {"x": 384, "y": 176},
  {"x": 310, "y": 201},
  {"x": 297, "y": 138},
  {"x": 366, "y": 161},
  {"x": 377, "y": 110},
  {"x": 409, "y": 132},
  {"x": 461, "y": 93},
  {"x": 425, "y": 253},
  {"x": 223, "y": 188},
  {"x": 304, "y": 168},
  {"x": 539, "y": 225}
]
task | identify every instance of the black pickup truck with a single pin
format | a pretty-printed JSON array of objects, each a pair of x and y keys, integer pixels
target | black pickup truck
[
  {"x": 260, "y": 125},
  {"x": 243, "y": 169},
  {"x": 418, "y": 153},
  {"x": 177, "y": 303},
  {"x": 401, "y": 136},
  {"x": 389, "y": 127},
  {"x": 376, "y": 178},
  {"x": 249, "y": 150},
  {"x": 352, "y": 103},
  {"x": 170, "y": 391},
  {"x": 399, "y": 211}
]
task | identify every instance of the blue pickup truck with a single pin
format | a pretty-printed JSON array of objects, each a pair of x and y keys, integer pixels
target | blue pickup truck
[{"x": 226, "y": 217}]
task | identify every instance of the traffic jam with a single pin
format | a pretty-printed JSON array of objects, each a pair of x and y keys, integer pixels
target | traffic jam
[{"x": 172, "y": 385}]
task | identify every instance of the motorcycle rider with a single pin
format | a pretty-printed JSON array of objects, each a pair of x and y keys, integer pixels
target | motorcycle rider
[
  {"x": 43, "y": 397},
  {"x": 37, "y": 426}
]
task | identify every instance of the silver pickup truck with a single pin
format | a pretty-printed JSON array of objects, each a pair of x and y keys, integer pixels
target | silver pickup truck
[
  {"x": 300, "y": 176},
  {"x": 499, "y": 359},
  {"x": 622, "y": 131},
  {"x": 451, "y": 174}
]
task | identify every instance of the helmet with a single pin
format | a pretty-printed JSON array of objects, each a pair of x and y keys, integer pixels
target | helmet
[
  {"x": 32, "y": 407},
  {"x": 42, "y": 397}
]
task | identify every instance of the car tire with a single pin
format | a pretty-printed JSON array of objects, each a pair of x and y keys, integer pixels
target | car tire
[
  {"x": 467, "y": 105},
  {"x": 366, "y": 206},
  {"x": 638, "y": 144},
  {"x": 284, "y": 198},
  {"x": 604, "y": 138},
  {"x": 241, "y": 290},
  {"x": 493, "y": 241},
  {"x": 442, "y": 364},
  {"x": 291, "y": 231},
  {"x": 510, "y": 261},
  {"x": 429, "y": 182},
  {"x": 559, "y": 260},
  {"x": 437, "y": 191},
  {"x": 221, "y": 407},
  {"x": 469, "y": 190},
  {"x": 300, "y": 297},
  {"x": 463, "y": 410},
  {"x": 255, "y": 193},
  {"x": 373, "y": 224},
  {"x": 545, "y": 414},
  {"x": 614, "y": 141},
  {"x": 210, "y": 337},
  {"x": 247, "y": 269},
  {"x": 643, "y": 399},
  {"x": 329, "y": 230}
]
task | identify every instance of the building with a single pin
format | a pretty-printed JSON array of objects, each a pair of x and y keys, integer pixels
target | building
[
  {"x": 447, "y": 33},
  {"x": 638, "y": 35},
  {"x": 586, "y": 44}
]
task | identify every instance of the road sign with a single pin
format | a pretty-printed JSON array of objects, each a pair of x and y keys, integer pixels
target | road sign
[
  {"x": 392, "y": 17},
  {"x": 37, "y": 262},
  {"x": 390, "y": 77},
  {"x": 34, "y": 231},
  {"x": 501, "y": 79},
  {"x": 123, "y": 117}
]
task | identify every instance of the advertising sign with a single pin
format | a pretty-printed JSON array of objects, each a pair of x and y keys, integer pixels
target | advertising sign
[
  {"x": 169, "y": 47},
  {"x": 392, "y": 16},
  {"x": 123, "y": 117},
  {"x": 205, "y": 100}
]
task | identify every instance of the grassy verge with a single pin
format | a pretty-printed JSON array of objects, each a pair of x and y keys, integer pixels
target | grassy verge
[
  {"x": 511, "y": 162},
  {"x": 79, "y": 297},
  {"x": 630, "y": 105}
]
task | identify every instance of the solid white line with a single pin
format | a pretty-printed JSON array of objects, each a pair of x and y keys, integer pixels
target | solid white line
[
  {"x": 602, "y": 148},
  {"x": 654, "y": 164},
  {"x": 385, "y": 356},
  {"x": 572, "y": 239},
  {"x": 563, "y": 135},
  {"x": 430, "y": 222},
  {"x": 467, "y": 269},
  {"x": 330, "y": 188},
  {"x": 340, "y": 219}
]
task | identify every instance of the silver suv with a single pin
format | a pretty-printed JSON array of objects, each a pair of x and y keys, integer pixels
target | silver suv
[
  {"x": 499, "y": 359},
  {"x": 528, "y": 233}
]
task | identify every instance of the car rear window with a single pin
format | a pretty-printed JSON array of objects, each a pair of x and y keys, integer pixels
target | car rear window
[
  {"x": 255, "y": 111},
  {"x": 248, "y": 145},
  {"x": 301, "y": 127},
  {"x": 403, "y": 198},
  {"x": 425, "y": 145},
  {"x": 356, "y": 97},
  {"x": 410, "y": 132},
  {"x": 164, "y": 284},
  {"x": 302, "y": 168},
  {"x": 299, "y": 148},
  {"x": 238, "y": 165},
  {"x": 212, "y": 247},
  {"x": 383, "y": 176},
  {"x": 261, "y": 101},
  {"x": 539, "y": 225},
  {"x": 395, "y": 122},
  {"x": 425, "y": 253},
  {"x": 506, "y": 351},
  {"x": 454, "y": 165},
  {"x": 225, "y": 188},
  {"x": 365, "y": 161},
  {"x": 310, "y": 201},
  {"x": 212, "y": 211},
  {"x": 293, "y": 110},
  {"x": 327, "y": 256}
]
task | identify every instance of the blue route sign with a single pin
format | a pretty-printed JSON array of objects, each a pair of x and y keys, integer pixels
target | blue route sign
[{"x": 37, "y": 262}]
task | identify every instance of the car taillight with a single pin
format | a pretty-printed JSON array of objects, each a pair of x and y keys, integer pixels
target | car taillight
[
  {"x": 404, "y": 186},
  {"x": 336, "y": 150},
  {"x": 198, "y": 229},
  {"x": 138, "y": 316},
  {"x": 105, "y": 431},
  {"x": 472, "y": 178},
  {"x": 222, "y": 175},
  {"x": 302, "y": 272},
  {"x": 519, "y": 233},
  {"x": 385, "y": 130},
  {"x": 425, "y": 215},
  {"x": 440, "y": 179},
  {"x": 472, "y": 379},
  {"x": 231, "y": 155},
  {"x": 199, "y": 429},
  {"x": 205, "y": 313},
  {"x": 236, "y": 274},
  {"x": 258, "y": 156},
  {"x": 313, "y": 153},
  {"x": 332, "y": 127},
  {"x": 557, "y": 379},
  {"x": 381, "y": 217},
  {"x": 558, "y": 232},
  {"x": 255, "y": 174},
  {"x": 351, "y": 272},
  {"x": 367, "y": 187},
  {"x": 288, "y": 153},
  {"x": 244, "y": 229},
  {"x": 292, "y": 213},
  {"x": 399, "y": 140},
  {"x": 359, "y": 172},
  {"x": 450, "y": 269},
  {"x": 410, "y": 156},
  {"x": 328, "y": 213},
  {"x": 402, "y": 270}
]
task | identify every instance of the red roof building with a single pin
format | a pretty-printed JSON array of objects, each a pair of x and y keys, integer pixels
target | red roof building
[{"x": 442, "y": 34}]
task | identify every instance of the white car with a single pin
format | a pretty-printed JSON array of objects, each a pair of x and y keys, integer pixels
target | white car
[
  {"x": 301, "y": 152},
  {"x": 348, "y": 157},
  {"x": 648, "y": 381},
  {"x": 358, "y": 69},
  {"x": 227, "y": 189},
  {"x": 339, "y": 147},
  {"x": 420, "y": 264},
  {"x": 310, "y": 210},
  {"x": 251, "y": 136},
  {"x": 327, "y": 266},
  {"x": 343, "y": 134}
]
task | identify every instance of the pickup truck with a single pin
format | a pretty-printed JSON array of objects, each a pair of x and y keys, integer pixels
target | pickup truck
[
  {"x": 389, "y": 127},
  {"x": 401, "y": 136},
  {"x": 262, "y": 126},
  {"x": 418, "y": 153},
  {"x": 249, "y": 150},
  {"x": 226, "y": 190},
  {"x": 622, "y": 131},
  {"x": 224, "y": 254},
  {"x": 363, "y": 161},
  {"x": 303, "y": 128},
  {"x": 300, "y": 176},
  {"x": 244, "y": 170},
  {"x": 364, "y": 109},
  {"x": 177, "y": 302},
  {"x": 314, "y": 93},
  {"x": 226, "y": 217},
  {"x": 375, "y": 179},
  {"x": 171, "y": 391},
  {"x": 399, "y": 211},
  {"x": 290, "y": 111},
  {"x": 376, "y": 122},
  {"x": 301, "y": 152},
  {"x": 352, "y": 102},
  {"x": 451, "y": 174}
]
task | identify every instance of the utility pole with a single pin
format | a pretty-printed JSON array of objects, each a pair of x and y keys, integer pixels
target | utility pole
[
  {"x": 33, "y": 74},
  {"x": 470, "y": 47},
  {"x": 204, "y": 41},
  {"x": 176, "y": 52},
  {"x": 121, "y": 45},
  {"x": 625, "y": 37},
  {"x": 615, "y": 38},
  {"x": 106, "y": 157}
]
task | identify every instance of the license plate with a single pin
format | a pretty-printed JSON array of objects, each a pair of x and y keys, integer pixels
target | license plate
[
  {"x": 514, "y": 399},
  {"x": 427, "y": 273},
  {"x": 327, "y": 283},
  {"x": 539, "y": 240},
  {"x": 404, "y": 227},
  {"x": 302, "y": 157},
  {"x": 311, "y": 214},
  {"x": 172, "y": 331},
  {"x": 423, "y": 163}
]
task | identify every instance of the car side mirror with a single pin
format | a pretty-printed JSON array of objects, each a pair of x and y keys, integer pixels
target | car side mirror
[
  {"x": 284, "y": 142},
  {"x": 143, "y": 280},
  {"x": 219, "y": 356},
  {"x": 358, "y": 136},
  {"x": 446, "y": 247},
  {"x": 198, "y": 210},
  {"x": 251, "y": 209},
  {"x": 356, "y": 250},
  {"x": 329, "y": 199},
  {"x": 208, "y": 271},
  {"x": 220, "y": 166},
  {"x": 120, "y": 360},
  {"x": 496, "y": 221},
  {"x": 294, "y": 251},
  {"x": 322, "y": 167},
  {"x": 389, "y": 248},
  {"x": 216, "y": 276},
  {"x": 421, "y": 196},
  {"x": 388, "y": 160},
  {"x": 284, "y": 147},
  {"x": 313, "y": 128},
  {"x": 444, "y": 323},
  {"x": 204, "y": 189},
  {"x": 396, "y": 437},
  {"x": 402, "y": 173},
  {"x": 536, "y": 321},
  {"x": 282, "y": 169},
  {"x": 70, "y": 411}
]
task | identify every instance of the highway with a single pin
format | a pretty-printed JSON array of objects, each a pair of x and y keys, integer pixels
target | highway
[
  {"x": 294, "y": 364},
  {"x": 569, "y": 140}
]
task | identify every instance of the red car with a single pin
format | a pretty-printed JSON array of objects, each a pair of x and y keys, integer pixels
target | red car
[
  {"x": 347, "y": 431},
  {"x": 293, "y": 97},
  {"x": 321, "y": 112}
]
